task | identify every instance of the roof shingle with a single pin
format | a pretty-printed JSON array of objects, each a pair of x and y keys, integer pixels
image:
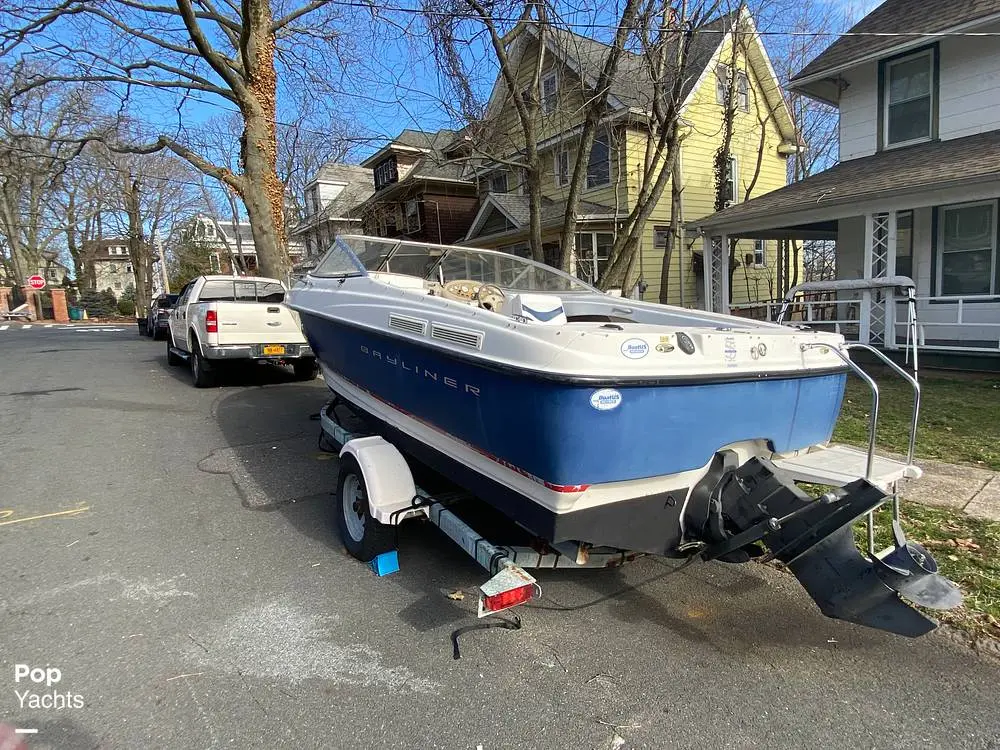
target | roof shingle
[
  {"x": 925, "y": 166},
  {"x": 893, "y": 17}
]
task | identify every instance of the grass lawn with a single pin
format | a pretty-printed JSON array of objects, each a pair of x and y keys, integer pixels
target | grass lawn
[
  {"x": 959, "y": 417},
  {"x": 965, "y": 549}
]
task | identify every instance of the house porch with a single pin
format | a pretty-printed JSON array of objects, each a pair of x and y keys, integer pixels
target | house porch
[{"x": 944, "y": 236}]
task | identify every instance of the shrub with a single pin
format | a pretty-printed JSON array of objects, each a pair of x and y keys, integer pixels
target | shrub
[{"x": 99, "y": 304}]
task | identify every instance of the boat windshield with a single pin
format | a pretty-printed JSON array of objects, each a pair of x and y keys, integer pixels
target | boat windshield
[{"x": 352, "y": 255}]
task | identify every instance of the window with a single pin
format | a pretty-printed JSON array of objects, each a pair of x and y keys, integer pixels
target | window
[
  {"x": 760, "y": 253},
  {"x": 210, "y": 230},
  {"x": 592, "y": 252},
  {"x": 599, "y": 166},
  {"x": 908, "y": 96},
  {"x": 967, "y": 245},
  {"x": 498, "y": 182},
  {"x": 128, "y": 268},
  {"x": 550, "y": 92},
  {"x": 412, "y": 215},
  {"x": 385, "y": 173},
  {"x": 214, "y": 260},
  {"x": 731, "y": 194},
  {"x": 118, "y": 285},
  {"x": 904, "y": 243},
  {"x": 114, "y": 268},
  {"x": 743, "y": 92},
  {"x": 562, "y": 168},
  {"x": 722, "y": 87},
  {"x": 660, "y": 235}
]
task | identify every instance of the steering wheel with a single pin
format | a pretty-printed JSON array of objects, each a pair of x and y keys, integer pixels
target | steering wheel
[
  {"x": 463, "y": 290},
  {"x": 490, "y": 297}
]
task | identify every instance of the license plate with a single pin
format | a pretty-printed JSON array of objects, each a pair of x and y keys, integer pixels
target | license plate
[{"x": 270, "y": 351}]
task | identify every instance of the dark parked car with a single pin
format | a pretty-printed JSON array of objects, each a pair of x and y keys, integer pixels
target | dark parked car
[{"x": 158, "y": 318}]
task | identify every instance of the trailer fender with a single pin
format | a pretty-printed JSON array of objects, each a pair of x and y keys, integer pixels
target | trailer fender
[{"x": 387, "y": 476}]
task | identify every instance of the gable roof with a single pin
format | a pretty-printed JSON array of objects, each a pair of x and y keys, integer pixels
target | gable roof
[
  {"x": 937, "y": 164},
  {"x": 893, "y": 17},
  {"x": 632, "y": 85},
  {"x": 516, "y": 209}
]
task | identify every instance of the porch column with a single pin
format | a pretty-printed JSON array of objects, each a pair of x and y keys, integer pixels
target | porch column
[
  {"x": 715, "y": 251},
  {"x": 873, "y": 319},
  {"x": 706, "y": 254},
  {"x": 890, "y": 294},
  {"x": 721, "y": 264}
]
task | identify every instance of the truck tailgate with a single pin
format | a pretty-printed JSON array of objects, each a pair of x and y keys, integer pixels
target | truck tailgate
[{"x": 257, "y": 323}]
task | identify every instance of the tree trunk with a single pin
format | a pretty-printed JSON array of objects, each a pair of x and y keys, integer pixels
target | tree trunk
[
  {"x": 138, "y": 248},
  {"x": 263, "y": 193},
  {"x": 533, "y": 177},
  {"x": 675, "y": 235}
]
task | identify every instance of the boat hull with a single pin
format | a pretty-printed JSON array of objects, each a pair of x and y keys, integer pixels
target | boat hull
[{"x": 557, "y": 430}]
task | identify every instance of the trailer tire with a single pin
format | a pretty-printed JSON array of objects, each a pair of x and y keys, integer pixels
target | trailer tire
[{"x": 363, "y": 536}]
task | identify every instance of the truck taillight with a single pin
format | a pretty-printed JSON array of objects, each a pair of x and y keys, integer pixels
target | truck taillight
[{"x": 211, "y": 322}]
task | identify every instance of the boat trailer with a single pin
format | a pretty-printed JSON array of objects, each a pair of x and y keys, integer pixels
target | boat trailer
[
  {"x": 727, "y": 517},
  {"x": 377, "y": 484}
]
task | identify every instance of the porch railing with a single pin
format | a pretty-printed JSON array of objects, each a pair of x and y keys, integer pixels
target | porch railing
[
  {"x": 935, "y": 313},
  {"x": 954, "y": 317}
]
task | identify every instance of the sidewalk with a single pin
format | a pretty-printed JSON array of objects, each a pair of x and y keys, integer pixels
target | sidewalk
[{"x": 967, "y": 488}]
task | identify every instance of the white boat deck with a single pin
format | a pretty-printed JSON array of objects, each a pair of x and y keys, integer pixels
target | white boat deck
[{"x": 839, "y": 465}]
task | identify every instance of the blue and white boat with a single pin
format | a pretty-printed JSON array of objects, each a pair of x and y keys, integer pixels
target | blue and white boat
[{"x": 582, "y": 416}]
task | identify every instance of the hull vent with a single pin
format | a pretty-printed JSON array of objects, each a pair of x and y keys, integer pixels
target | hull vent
[
  {"x": 460, "y": 336},
  {"x": 410, "y": 325}
]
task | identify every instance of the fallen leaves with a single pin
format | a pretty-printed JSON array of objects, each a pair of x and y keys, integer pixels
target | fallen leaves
[{"x": 458, "y": 595}]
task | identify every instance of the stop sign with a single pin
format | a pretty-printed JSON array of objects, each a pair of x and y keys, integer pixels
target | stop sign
[{"x": 36, "y": 282}]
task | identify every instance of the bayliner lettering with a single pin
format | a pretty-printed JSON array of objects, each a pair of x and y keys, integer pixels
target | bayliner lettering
[{"x": 419, "y": 371}]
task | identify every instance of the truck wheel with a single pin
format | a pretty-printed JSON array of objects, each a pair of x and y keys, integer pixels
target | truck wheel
[
  {"x": 305, "y": 369},
  {"x": 202, "y": 374},
  {"x": 172, "y": 359},
  {"x": 364, "y": 537}
]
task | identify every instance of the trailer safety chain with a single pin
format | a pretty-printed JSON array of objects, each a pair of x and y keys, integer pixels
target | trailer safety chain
[{"x": 499, "y": 622}]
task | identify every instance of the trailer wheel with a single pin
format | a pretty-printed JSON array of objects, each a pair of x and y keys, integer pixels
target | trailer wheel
[{"x": 364, "y": 537}]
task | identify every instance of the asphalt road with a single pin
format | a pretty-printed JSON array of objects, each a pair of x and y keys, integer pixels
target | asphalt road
[{"x": 199, "y": 598}]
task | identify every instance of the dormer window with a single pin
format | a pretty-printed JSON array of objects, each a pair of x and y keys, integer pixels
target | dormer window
[
  {"x": 385, "y": 173},
  {"x": 908, "y": 92}
]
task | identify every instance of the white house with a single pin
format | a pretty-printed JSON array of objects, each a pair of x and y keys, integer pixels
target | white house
[
  {"x": 916, "y": 190},
  {"x": 330, "y": 198},
  {"x": 225, "y": 239}
]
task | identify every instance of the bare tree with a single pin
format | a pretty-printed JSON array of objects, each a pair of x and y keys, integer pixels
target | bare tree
[
  {"x": 34, "y": 156},
  {"x": 231, "y": 53},
  {"x": 650, "y": 46}
]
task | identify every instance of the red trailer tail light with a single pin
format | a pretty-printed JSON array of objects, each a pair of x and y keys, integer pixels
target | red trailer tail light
[
  {"x": 211, "y": 322},
  {"x": 511, "y": 586}
]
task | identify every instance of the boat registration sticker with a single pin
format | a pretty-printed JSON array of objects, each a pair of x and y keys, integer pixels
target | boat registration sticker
[
  {"x": 605, "y": 399},
  {"x": 730, "y": 351},
  {"x": 270, "y": 351},
  {"x": 635, "y": 349}
]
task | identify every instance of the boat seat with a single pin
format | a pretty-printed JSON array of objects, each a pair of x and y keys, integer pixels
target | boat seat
[{"x": 546, "y": 309}]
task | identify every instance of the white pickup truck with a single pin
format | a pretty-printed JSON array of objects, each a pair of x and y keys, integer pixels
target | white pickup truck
[{"x": 220, "y": 319}]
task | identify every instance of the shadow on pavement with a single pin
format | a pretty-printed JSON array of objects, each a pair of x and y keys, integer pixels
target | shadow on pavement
[{"x": 276, "y": 463}]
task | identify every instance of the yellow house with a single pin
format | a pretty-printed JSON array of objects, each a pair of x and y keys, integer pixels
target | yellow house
[{"x": 763, "y": 137}]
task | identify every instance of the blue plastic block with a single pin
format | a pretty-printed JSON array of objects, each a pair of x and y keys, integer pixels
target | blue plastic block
[{"x": 386, "y": 563}]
